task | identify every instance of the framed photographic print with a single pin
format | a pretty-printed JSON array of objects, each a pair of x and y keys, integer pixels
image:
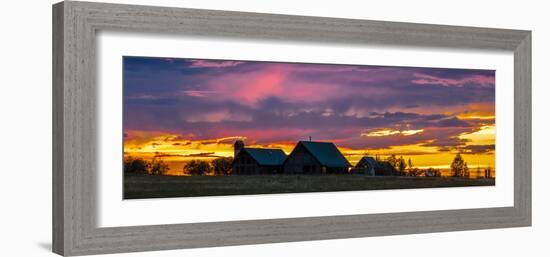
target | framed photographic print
[{"x": 182, "y": 128}]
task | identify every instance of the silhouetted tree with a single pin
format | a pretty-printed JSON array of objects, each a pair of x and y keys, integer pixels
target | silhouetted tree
[
  {"x": 401, "y": 166},
  {"x": 478, "y": 172},
  {"x": 158, "y": 167},
  {"x": 392, "y": 160},
  {"x": 222, "y": 165},
  {"x": 135, "y": 165},
  {"x": 398, "y": 165},
  {"x": 459, "y": 168},
  {"x": 197, "y": 167}
]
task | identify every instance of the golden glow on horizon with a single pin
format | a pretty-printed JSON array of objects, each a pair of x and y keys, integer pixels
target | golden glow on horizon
[{"x": 177, "y": 151}]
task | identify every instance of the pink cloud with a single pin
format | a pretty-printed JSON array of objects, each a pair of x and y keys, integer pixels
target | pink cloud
[
  {"x": 424, "y": 79},
  {"x": 266, "y": 84},
  {"x": 277, "y": 81},
  {"x": 308, "y": 83},
  {"x": 247, "y": 89}
]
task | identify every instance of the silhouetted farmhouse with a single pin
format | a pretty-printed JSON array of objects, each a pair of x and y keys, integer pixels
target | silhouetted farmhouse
[
  {"x": 257, "y": 160},
  {"x": 315, "y": 157},
  {"x": 371, "y": 167}
]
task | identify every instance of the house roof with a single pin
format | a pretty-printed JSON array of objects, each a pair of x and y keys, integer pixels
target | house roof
[
  {"x": 263, "y": 156},
  {"x": 326, "y": 153},
  {"x": 367, "y": 159}
]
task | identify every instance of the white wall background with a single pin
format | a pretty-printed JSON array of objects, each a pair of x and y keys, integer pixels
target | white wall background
[{"x": 25, "y": 131}]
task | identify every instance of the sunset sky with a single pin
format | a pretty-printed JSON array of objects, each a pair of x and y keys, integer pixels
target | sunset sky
[{"x": 180, "y": 109}]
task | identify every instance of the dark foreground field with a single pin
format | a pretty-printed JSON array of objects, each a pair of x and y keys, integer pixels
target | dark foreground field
[{"x": 155, "y": 186}]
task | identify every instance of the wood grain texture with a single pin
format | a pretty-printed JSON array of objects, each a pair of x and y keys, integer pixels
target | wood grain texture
[
  {"x": 58, "y": 217},
  {"x": 75, "y": 25},
  {"x": 522, "y": 129}
]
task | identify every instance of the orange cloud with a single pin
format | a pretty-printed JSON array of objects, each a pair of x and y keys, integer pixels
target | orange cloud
[{"x": 390, "y": 132}]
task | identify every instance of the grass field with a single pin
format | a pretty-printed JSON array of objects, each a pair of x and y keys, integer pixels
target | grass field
[{"x": 156, "y": 186}]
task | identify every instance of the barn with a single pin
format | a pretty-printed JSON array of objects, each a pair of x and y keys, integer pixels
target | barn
[
  {"x": 251, "y": 161},
  {"x": 315, "y": 157}
]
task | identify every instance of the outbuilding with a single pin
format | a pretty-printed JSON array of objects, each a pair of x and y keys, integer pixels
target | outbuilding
[
  {"x": 315, "y": 157},
  {"x": 257, "y": 160}
]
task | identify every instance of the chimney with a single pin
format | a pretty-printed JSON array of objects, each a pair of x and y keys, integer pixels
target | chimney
[{"x": 238, "y": 146}]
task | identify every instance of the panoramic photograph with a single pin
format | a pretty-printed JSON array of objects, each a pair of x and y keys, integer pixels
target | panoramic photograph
[{"x": 206, "y": 127}]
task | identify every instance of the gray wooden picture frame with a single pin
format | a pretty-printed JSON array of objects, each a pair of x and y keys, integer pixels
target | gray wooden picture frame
[{"x": 75, "y": 25}]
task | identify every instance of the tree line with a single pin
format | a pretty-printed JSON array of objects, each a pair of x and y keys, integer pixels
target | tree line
[
  {"x": 459, "y": 168},
  {"x": 222, "y": 166},
  {"x": 399, "y": 167},
  {"x": 218, "y": 166},
  {"x": 140, "y": 166}
]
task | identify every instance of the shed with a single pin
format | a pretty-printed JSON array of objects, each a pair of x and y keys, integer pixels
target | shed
[{"x": 367, "y": 165}]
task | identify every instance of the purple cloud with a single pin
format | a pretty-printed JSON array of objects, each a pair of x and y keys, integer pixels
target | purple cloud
[{"x": 269, "y": 102}]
